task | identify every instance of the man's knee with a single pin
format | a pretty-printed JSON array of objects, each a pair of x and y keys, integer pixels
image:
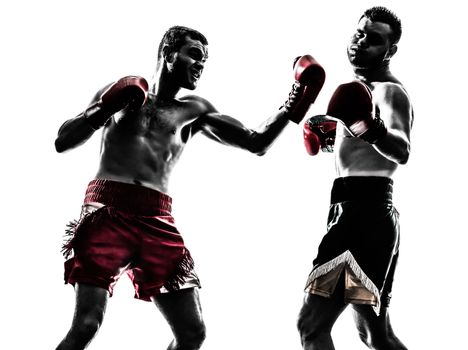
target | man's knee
[
  {"x": 192, "y": 337},
  {"x": 375, "y": 339},
  {"x": 309, "y": 333},
  {"x": 365, "y": 337},
  {"x": 309, "y": 329},
  {"x": 376, "y": 332},
  {"x": 370, "y": 328},
  {"x": 382, "y": 342},
  {"x": 87, "y": 325}
]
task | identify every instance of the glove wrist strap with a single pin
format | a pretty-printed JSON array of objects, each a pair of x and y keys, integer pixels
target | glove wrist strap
[
  {"x": 95, "y": 116},
  {"x": 376, "y": 132}
]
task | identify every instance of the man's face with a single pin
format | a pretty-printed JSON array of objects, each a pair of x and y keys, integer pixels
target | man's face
[
  {"x": 370, "y": 45},
  {"x": 188, "y": 63}
]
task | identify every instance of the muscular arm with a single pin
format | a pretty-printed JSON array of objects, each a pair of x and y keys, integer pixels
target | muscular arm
[
  {"x": 231, "y": 132},
  {"x": 395, "y": 110},
  {"x": 75, "y": 131}
]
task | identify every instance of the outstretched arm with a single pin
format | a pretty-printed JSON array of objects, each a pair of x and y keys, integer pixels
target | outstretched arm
[
  {"x": 309, "y": 78},
  {"x": 231, "y": 132}
]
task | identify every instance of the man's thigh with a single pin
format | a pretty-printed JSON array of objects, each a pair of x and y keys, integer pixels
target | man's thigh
[
  {"x": 320, "y": 313},
  {"x": 182, "y": 309},
  {"x": 91, "y": 302},
  {"x": 367, "y": 321}
]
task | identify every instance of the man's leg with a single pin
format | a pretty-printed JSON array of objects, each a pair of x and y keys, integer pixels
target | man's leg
[
  {"x": 376, "y": 331},
  {"x": 90, "y": 307},
  {"x": 182, "y": 311},
  {"x": 316, "y": 319}
]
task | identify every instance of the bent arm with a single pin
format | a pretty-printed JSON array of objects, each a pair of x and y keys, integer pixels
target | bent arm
[
  {"x": 73, "y": 133},
  {"x": 76, "y": 131},
  {"x": 396, "y": 112},
  {"x": 130, "y": 91}
]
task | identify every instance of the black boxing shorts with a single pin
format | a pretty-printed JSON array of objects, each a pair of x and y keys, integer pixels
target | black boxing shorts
[{"x": 361, "y": 242}]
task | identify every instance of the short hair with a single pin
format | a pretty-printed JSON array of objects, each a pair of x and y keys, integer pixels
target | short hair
[
  {"x": 383, "y": 14},
  {"x": 175, "y": 38}
]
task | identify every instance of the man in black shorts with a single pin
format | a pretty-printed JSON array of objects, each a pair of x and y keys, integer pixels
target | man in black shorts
[{"x": 369, "y": 121}]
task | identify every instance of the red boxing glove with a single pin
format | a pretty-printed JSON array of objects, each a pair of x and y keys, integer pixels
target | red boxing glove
[
  {"x": 130, "y": 91},
  {"x": 319, "y": 133},
  {"x": 311, "y": 140},
  {"x": 351, "y": 104},
  {"x": 310, "y": 77}
]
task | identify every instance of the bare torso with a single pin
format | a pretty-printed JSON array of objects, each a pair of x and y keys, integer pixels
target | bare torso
[
  {"x": 142, "y": 147},
  {"x": 355, "y": 157}
]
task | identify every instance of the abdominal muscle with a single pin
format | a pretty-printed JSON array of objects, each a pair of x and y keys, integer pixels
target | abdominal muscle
[
  {"x": 355, "y": 157},
  {"x": 139, "y": 160}
]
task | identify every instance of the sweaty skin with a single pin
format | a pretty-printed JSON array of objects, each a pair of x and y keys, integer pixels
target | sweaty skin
[
  {"x": 355, "y": 157},
  {"x": 141, "y": 147},
  {"x": 369, "y": 52}
]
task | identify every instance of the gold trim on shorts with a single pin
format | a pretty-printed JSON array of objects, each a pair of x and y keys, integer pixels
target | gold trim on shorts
[
  {"x": 354, "y": 290},
  {"x": 358, "y": 288}
]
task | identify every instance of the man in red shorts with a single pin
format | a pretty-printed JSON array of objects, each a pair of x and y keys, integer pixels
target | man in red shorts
[
  {"x": 126, "y": 223},
  {"x": 371, "y": 119}
]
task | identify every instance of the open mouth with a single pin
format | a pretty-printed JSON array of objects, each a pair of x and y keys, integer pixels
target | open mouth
[
  {"x": 196, "y": 74},
  {"x": 355, "y": 49}
]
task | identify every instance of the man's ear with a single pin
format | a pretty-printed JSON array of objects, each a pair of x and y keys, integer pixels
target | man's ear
[
  {"x": 167, "y": 55},
  {"x": 393, "y": 49}
]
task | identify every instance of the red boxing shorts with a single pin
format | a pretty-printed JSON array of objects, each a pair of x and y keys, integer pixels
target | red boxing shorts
[{"x": 127, "y": 228}]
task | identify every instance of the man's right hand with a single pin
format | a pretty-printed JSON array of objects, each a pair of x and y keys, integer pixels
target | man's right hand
[
  {"x": 351, "y": 104},
  {"x": 309, "y": 78},
  {"x": 319, "y": 134},
  {"x": 130, "y": 91}
]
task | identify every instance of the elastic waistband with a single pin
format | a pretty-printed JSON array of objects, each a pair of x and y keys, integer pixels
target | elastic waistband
[
  {"x": 362, "y": 188},
  {"x": 128, "y": 197}
]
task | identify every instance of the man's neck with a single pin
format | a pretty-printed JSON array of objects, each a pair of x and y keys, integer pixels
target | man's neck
[
  {"x": 371, "y": 74},
  {"x": 163, "y": 86}
]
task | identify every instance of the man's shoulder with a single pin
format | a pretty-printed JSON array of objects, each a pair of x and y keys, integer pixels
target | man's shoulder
[
  {"x": 389, "y": 90},
  {"x": 193, "y": 98},
  {"x": 198, "y": 102},
  {"x": 393, "y": 95},
  {"x": 388, "y": 85}
]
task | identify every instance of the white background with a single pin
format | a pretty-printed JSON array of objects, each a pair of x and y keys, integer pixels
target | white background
[{"x": 253, "y": 224}]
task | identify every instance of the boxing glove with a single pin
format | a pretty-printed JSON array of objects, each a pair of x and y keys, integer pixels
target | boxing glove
[
  {"x": 309, "y": 78},
  {"x": 130, "y": 91},
  {"x": 351, "y": 104},
  {"x": 319, "y": 134}
]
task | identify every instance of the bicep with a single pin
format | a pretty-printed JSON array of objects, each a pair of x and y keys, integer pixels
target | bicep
[
  {"x": 395, "y": 111},
  {"x": 223, "y": 129}
]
